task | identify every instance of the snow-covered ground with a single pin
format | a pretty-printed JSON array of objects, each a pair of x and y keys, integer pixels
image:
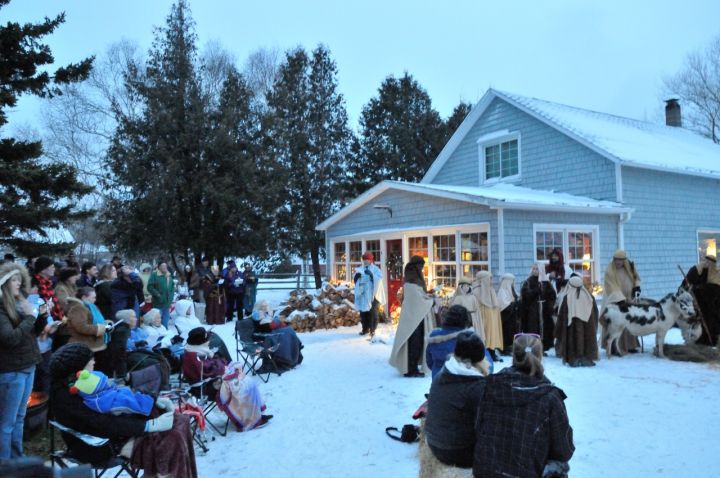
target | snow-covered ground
[{"x": 633, "y": 416}]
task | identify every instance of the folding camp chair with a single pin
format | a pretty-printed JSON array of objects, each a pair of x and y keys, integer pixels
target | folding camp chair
[
  {"x": 198, "y": 390},
  {"x": 62, "y": 457},
  {"x": 250, "y": 347}
]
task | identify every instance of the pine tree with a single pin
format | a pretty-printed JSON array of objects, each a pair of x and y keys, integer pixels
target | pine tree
[
  {"x": 311, "y": 141},
  {"x": 456, "y": 117},
  {"x": 33, "y": 195},
  {"x": 401, "y": 134},
  {"x": 156, "y": 156}
]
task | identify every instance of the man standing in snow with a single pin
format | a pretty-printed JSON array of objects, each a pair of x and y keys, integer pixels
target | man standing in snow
[
  {"x": 622, "y": 284},
  {"x": 368, "y": 293}
]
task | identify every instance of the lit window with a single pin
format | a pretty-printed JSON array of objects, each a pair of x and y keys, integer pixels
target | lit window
[
  {"x": 576, "y": 246},
  {"x": 339, "y": 261}
]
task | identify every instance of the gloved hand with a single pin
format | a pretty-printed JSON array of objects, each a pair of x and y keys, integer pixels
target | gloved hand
[
  {"x": 165, "y": 403},
  {"x": 162, "y": 423},
  {"x": 636, "y": 292}
]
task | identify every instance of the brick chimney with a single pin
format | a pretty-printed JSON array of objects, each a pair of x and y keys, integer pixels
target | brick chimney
[{"x": 672, "y": 113}]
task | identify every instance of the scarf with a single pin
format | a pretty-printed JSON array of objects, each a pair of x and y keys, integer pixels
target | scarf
[
  {"x": 97, "y": 318},
  {"x": 579, "y": 301},
  {"x": 47, "y": 292}
]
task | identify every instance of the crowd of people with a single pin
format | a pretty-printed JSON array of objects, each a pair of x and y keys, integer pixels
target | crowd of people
[{"x": 76, "y": 332}]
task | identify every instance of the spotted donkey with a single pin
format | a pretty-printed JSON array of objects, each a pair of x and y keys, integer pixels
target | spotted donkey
[{"x": 657, "y": 318}]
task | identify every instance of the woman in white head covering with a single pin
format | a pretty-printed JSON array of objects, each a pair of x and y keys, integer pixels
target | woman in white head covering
[
  {"x": 185, "y": 319},
  {"x": 576, "y": 329},
  {"x": 490, "y": 312},
  {"x": 508, "y": 299},
  {"x": 464, "y": 296}
]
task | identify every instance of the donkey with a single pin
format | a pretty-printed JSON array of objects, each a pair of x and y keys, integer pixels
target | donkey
[{"x": 657, "y": 318}]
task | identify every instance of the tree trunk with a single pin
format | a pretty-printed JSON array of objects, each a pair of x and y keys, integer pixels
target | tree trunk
[{"x": 315, "y": 259}]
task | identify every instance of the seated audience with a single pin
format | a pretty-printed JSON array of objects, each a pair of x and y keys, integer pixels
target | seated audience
[
  {"x": 153, "y": 327},
  {"x": 200, "y": 362}
]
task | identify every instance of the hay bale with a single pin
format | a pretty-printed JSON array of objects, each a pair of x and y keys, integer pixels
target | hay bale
[{"x": 692, "y": 353}]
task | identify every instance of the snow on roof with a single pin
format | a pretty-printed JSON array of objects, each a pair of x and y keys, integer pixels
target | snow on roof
[
  {"x": 500, "y": 195},
  {"x": 632, "y": 142},
  {"x": 623, "y": 140}
]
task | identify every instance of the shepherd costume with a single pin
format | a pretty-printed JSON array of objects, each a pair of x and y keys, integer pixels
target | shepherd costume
[
  {"x": 508, "y": 299},
  {"x": 489, "y": 310},
  {"x": 620, "y": 286},
  {"x": 214, "y": 299},
  {"x": 577, "y": 326},
  {"x": 416, "y": 322},
  {"x": 464, "y": 296},
  {"x": 530, "y": 297}
]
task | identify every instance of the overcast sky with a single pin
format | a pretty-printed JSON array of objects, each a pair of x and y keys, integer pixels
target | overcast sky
[{"x": 608, "y": 55}]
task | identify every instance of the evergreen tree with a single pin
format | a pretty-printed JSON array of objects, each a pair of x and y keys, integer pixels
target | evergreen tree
[
  {"x": 401, "y": 134},
  {"x": 311, "y": 141},
  {"x": 33, "y": 195},
  {"x": 455, "y": 118}
]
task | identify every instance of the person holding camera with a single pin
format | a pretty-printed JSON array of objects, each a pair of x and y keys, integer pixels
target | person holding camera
[
  {"x": 368, "y": 293},
  {"x": 234, "y": 284},
  {"x": 127, "y": 292},
  {"x": 19, "y": 354}
]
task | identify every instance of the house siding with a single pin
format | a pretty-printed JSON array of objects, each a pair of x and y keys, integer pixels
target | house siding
[
  {"x": 549, "y": 159},
  {"x": 519, "y": 252},
  {"x": 662, "y": 232},
  {"x": 416, "y": 211}
]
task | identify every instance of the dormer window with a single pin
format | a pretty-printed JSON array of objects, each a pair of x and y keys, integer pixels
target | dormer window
[{"x": 499, "y": 157}]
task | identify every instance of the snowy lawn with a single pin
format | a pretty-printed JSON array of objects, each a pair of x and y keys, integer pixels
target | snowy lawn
[{"x": 632, "y": 416}]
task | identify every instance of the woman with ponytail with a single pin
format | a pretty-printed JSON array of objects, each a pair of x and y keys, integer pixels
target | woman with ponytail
[{"x": 522, "y": 424}]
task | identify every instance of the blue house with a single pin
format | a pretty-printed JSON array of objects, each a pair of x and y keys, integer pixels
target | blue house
[{"x": 521, "y": 176}]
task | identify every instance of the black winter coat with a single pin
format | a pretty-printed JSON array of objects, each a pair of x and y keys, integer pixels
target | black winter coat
[
  {"x": 452, "y": 407},
  {"x": 521, "y": 425},
  {"x": 18, "y": 342}
]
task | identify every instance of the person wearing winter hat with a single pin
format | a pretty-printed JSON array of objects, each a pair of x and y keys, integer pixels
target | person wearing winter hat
[
  {"x": 103, "y": 396},
  {"x": 441, "y": 342},
  {"x": 19, "y": 354},
  {"x": 171, "y": 452},
  {"x": 369, "y": 293},
  {"x": 44, "y": 272},
  {"x": 455, "y": 396},
  {"x": 522, "y": 426},
  {"x": 200, "y": 362}
]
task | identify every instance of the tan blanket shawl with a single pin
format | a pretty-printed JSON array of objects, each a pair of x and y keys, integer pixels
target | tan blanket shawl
[{"x": 416, "y": 308}]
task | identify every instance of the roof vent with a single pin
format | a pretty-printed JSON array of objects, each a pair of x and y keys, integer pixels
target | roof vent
[{"x": 672, "y": 113}]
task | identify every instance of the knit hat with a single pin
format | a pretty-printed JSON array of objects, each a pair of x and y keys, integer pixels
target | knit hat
[
  {"x": 417, "y": 260},
  {"x": 368, "y": 256},
  {"x": 67, "y": 272},
  {"x": 470, "y": 347},
  {"x": 620, "y": 254},
  {"x": 42, "y": 263},
  {"x": 456, "y": 316},
  {"x": 87, "y": 382},
  {"x": 68, "y": 359},
  {"x": 198, "y": 336}
]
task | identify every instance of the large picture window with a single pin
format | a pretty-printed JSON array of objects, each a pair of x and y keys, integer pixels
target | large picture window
[
  {"x": 373, "y": 246},
  {"x": 355, "y": 255},
  {"x": 418, "y": 246},
  {"x": 707, "y": 242},
  {"x": 577, "y": 244}
]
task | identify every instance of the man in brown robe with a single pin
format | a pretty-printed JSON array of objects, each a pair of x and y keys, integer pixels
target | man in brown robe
[{"x": 576, "y": 328}]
